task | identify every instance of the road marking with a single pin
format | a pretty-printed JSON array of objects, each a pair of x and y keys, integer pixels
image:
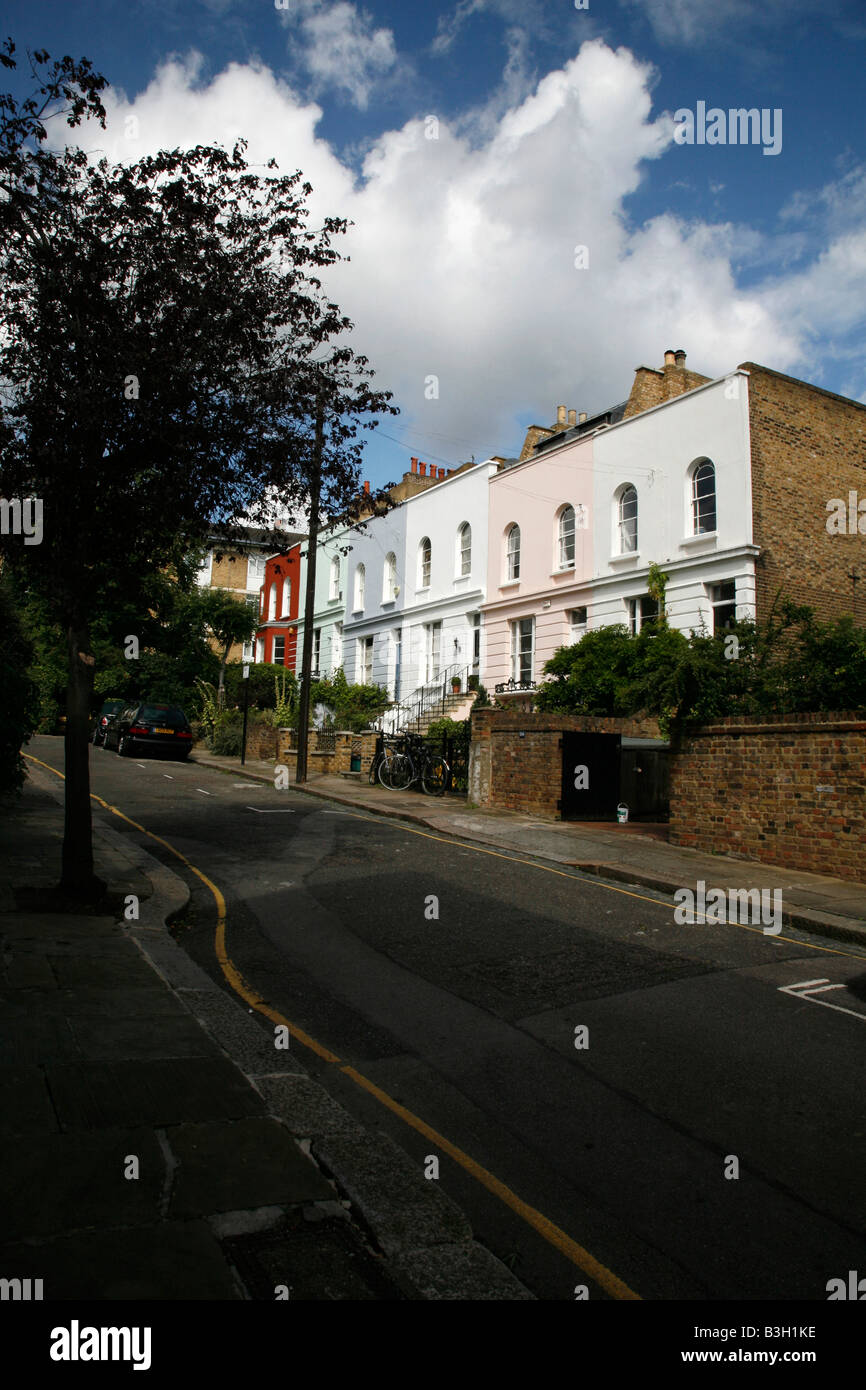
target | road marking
[
  {"x": 280, "y": 812},
  {"x": 556, "y": 1237},
  {"x": 802, "y": 991},
  {"x": 168, "y": 776},
  {"x": 203, "y": 792},
  {"x": 144, "y": 765}
]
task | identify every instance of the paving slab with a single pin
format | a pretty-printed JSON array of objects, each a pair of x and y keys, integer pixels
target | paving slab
[
  {"x": 169, "y": 1260},
  {"x": 238, "y": 1164},
  {"x": 105, "y": 1095},
  {"x": 61, "y": 1183},
  {"x": 25, "y": 1103},
  {"x": 135, "y": 1039}
]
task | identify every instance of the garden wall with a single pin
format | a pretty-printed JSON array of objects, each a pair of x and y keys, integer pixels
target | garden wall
[
  {"x": 786, "y": 789},
  {"x": 515, "y": 760}
]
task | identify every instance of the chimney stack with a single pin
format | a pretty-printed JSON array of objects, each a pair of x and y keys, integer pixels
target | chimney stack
[
  {"x": 680, "y": 357},
  {"x": 670, "y": 357},
  {"x": 414, "y": 464},
  {"x": 572, "y": 417},
  {"x": 582, "y": 417},
  {"x": 560, "y": 415}
]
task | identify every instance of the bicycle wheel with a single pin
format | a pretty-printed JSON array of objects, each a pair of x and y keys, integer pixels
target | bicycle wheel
[
  {"x": 374, "y": 769},
  {"x": 434, "y": 778},
  {"x": 402, "y": 772},
  {"x": 384, "y": 770}
]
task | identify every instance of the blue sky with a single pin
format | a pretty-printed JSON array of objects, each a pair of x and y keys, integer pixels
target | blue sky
[{"x": 476, "y": 143}]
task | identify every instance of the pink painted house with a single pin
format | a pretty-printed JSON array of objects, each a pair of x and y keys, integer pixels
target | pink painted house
[{"x": 540, "y": 562}]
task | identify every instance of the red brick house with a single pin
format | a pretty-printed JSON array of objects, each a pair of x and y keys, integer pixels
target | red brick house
[{"x": 277, "y": 636}]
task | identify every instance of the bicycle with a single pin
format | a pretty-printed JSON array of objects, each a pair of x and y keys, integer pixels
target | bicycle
[{"x": 398, "y": 770}]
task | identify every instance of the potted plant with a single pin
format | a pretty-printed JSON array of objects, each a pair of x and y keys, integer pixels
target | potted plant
[
  {"x": 455, "y": 685},
  {"x": 472, "y": 683}
]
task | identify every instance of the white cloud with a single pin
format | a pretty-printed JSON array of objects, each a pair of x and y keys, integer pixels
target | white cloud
[
  {"x": 340, "y": 48},
  {"x": 462, "y": 253}
]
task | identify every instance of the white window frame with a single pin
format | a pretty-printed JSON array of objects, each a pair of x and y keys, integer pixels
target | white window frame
[
  {"x": 519, "y": 649},
  {"x": 425, "y": 562},
  {"x": 623, "y": 534},
  {"x": 564, "y": 534},
  {"x": 360, "y": 587},
  {"x": 577, "y": 627},
  {"x": 695, "y": 500},
  {"x": 334, "y": 591},
  {"x": 389, "y": 578},
  {"x": 512, "y": 553},
  {"x": 287, "y": 596},
  {"x": 463, "y": 560},
  {"x": 272, "y": 602}
]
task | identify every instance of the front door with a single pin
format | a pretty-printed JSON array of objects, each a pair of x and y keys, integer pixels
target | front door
[
  {"x": 590, "y": 776},
  {"x": 434, "y": 642}
]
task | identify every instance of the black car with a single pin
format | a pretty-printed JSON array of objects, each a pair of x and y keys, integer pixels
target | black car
[
  {"x": 103, "y": 719},
  {"x": 161, "y": 727}
]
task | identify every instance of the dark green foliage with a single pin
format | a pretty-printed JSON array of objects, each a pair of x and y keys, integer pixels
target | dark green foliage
[
  {"x": 19, "y": 697},
  {"x": 354, "y": 706},
  {"x": 787, "y": 664}
]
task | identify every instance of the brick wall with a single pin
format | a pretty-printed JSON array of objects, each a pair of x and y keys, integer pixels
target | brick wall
[
  {"x": 525, "y": 774},
  {"x": 750, "y": 788},
  {"x": 808, "y": 446}
]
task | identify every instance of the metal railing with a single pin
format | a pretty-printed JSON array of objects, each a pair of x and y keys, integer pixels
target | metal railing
[{"x": 428, "y": 701}]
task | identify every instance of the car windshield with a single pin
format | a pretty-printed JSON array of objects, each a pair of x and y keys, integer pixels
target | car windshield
[{"x": 162, "y": 714}]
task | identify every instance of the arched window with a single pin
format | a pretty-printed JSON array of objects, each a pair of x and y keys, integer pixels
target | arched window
[
  {"x": 425, "y": 553},
  {"x": 464, "y": 550},
  {"x": 287, "y": 596},
  {"x": 334, "y": 591},
  {"x": 360, "y": 587},
  {"x": 512, "y": 552},
  {"x": 703, "y": 498},
  {"x": 389, "y": 578},
  {"x": 566, "y": 538},
  {"x": 627, "y": 519},
  {"x": 272, "y": 609}
]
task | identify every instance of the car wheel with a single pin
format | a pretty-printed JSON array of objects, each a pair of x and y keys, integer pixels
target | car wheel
[{"x": 123, "y": 749}]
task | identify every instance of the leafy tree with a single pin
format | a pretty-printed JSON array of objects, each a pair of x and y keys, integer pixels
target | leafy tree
[
  {"x": 156, "y": 325},
  {"x": 592, "y": 677},
  {"x": 228, "y": 621}
]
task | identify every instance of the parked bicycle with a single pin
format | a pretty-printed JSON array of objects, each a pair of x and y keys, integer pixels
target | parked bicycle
[{"x": 411, "y": 761}]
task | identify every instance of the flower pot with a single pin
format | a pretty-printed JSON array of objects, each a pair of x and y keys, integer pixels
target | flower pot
[{"x": 455, "y": 687}]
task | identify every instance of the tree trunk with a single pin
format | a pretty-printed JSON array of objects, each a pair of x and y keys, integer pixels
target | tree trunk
[
  {"x": 221, "y": 684},
  {"x": 78, "y": 878},
  {"x": 310, "y": 597}
]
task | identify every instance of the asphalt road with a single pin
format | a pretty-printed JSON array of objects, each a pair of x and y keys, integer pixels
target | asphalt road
[{"x": 698, "y": 1061}]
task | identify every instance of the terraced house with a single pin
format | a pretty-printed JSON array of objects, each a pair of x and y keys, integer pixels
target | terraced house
[{"x": 721, "y": 482}]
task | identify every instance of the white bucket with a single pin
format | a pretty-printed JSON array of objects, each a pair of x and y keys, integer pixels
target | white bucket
[{"x": 621, "y": 813}]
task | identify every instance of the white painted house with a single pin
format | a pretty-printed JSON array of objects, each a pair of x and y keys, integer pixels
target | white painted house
[
  {"x": 672, "y": 485},
  {"x": 332, "y": 568},
  {"x": 375, "y": 594},
  {"x": 446, "y": 575}
]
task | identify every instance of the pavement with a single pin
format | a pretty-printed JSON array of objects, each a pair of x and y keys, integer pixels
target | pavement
[
  {"x": 634, "y": 853},
  {"x": 158, "y": 1145}
]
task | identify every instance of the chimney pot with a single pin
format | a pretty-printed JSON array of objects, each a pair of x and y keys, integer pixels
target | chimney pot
[
  {"x": 670, "y": 357},
  {"x": 560, "y": 414},
  {"x": 422, "y": 470},
  {"x": 572, "y": 417},
  {"x": 414, "y": 463},
  {"x": 582, "y": 417},
  {"x": 366, "y": 486},
  {"x": 441, "y": 472},
  {"x": 681, "y": 357}
]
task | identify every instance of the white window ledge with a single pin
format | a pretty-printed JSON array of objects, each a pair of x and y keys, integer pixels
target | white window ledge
[
  {"x": 627, "y": 557},
  {"x": 510, "y": 584},
  {"x": 707, "y": 538}
]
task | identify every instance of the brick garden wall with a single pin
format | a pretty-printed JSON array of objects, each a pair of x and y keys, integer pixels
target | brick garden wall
[
  {"x": 751, "y": 788},
  {"x": 511, "y": 773}
]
